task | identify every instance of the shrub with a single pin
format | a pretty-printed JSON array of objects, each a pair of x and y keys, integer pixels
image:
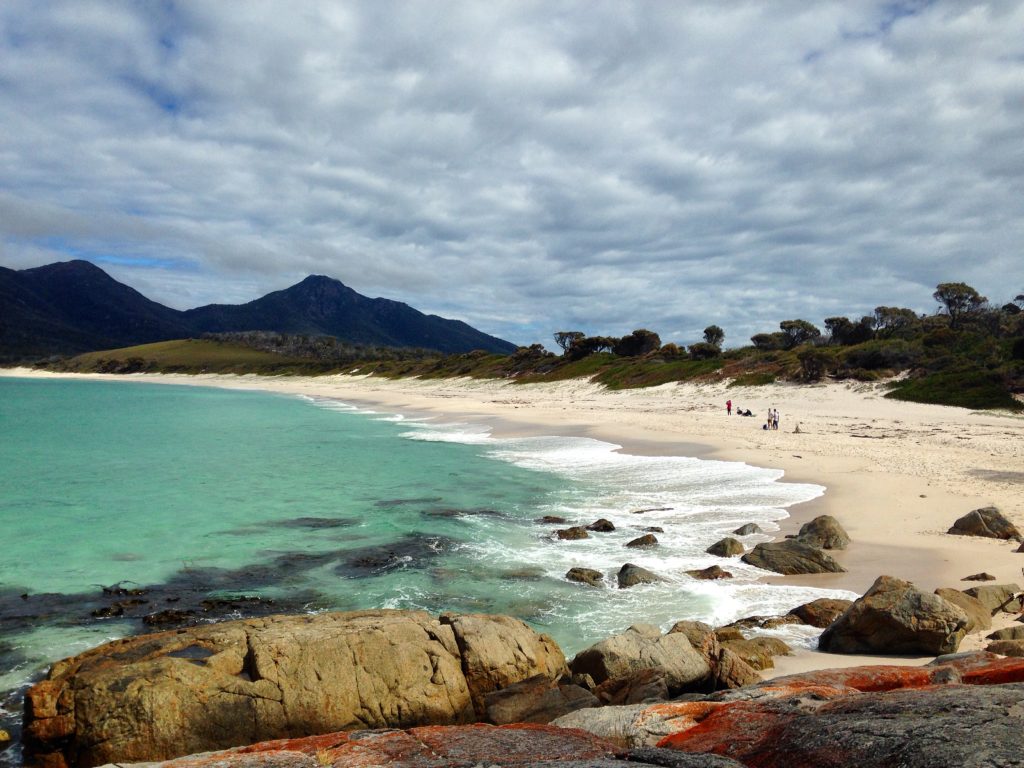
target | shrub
[
  {"x": 971, "y": 388},
  {"x": 874, "y": 355},
  {"x": 703, "y": 351},
  {"x": 639, "y": 342}
]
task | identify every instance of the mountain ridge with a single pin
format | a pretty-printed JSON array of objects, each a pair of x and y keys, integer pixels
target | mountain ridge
[{"x": 75, "y": 306}]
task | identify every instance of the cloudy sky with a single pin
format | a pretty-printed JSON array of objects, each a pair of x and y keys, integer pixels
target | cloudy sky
[{"x": 524, "y": 166}]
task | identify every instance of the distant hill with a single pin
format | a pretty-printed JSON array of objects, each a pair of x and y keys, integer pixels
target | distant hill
[{"x": 72, "y": 307}]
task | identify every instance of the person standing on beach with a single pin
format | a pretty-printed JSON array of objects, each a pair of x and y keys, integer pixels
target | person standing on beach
[
  {"x": 775, "y": 425},
  {"x": 728, "y": 407}
]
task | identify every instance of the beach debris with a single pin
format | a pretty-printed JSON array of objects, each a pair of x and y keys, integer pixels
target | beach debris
[
  {"x": 988, "y": 522},
  {"x": 748, "y": 530},
  {"x": 570, "y": 534},
  {"x": 821, "y": 612},
  {"x": 979, "y": 577},
  {"x": 979, "y": 618},
  {"x": 710, "y": 573},
  {"x": 998, "y": 597},
  {"x": 791, "y": 557},
  {"x": 586, "y": 576},
  {"x": 727, "y": 547},
  {"x": 601, "y": 526},
  {"x": 647, "y": 540},
  {"x": 630, "y": 575},
  {"x": 823, "y": 532},
  {"x": 895, "y": 617}
]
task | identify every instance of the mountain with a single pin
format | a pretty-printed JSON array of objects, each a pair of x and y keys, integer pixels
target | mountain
[
  {"x": 323, "y": 306},
  {"x": 72, "y": 307}
]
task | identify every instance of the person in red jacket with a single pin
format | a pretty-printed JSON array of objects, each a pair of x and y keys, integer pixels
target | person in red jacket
[{"x": 728, "y": 407}]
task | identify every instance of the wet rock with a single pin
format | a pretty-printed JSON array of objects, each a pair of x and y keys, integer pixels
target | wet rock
[
  {"x": 988, "y": 522},
  {"x": 651, "y": 509},
  {"x": 979, "y": 577},
  {"x": 168, "y": 618},
  {"x": 630, "y": 575},
  {"x": 823, "y": 532},
  {"x": 1007, "y": 647},
  {"x": 821, "y": 612},
  {"x": 524, "y": 574},
  {"x": 647, "y": 540},
  {"x": 710, "y": 573},
  {"x": 762, "y": 622},
  {"x": 997, "y": 597},
  {"x": 727, "y": 547},
  {"x": 573, "y": 533},
  {"x": 791, "y": 557},
  {"x": 601, "y": 526},
  {"x": 152, "y": 697},
  {"x": 654, "y": 529},
  {"x": 748, "y": 529},
  {"x": 586, "y": 576},
  {"x": 642, "y": 646},
  {"x": 978, "y": 616},
  {"x": 894, "y": 617},
  {"x": 538, "y": 699},
  {"x": 411, "y": 551},
  {"x": 550, "y": 519}
]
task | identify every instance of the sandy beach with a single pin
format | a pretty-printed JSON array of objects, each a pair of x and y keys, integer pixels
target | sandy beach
[{"x": 897, "y": 474}]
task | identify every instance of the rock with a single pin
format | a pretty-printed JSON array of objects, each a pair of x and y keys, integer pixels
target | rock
[
  {"x": 791, "y": 557},
  {"x": 821, "y": 612},
  {"x": 647, "y": 540},
  {"x": 551, "y": 520},
  {"x": 997, "y": 597},
  {"x": 727, "y": 547},
  {"x": 734, "y": 672},
  {"x": 640, "y": 647},
  {"x": 979, "y": 577},
  {"x": 601, "y": 526},
  {"x": 536, "y": 700},
  {"x": 702, "y": 638},
  {"x": 643, "y": 685},
  {"x": 978, "y": 616},
  {"x": 153, "y": 697},
  {"x": 630, "y": 575},
  {"x": 710, "y": 573},
  {"x": 586, "y": 576},
  {"x": 654, "y": 529},
  {"x": 757, "y": 652},
  {"x": 169, "y": 617},
  {"x": 762, "y": 622},
  {"x": 1007, "y": 633},
  {"x": 895, "y": 617},
  {"x": 1007, "y": 647},
  {"x": 576, "y": 532},
  {"x": 823, "y": 532},
  {"x": 988, "y": 522},
  {"x": 748, "y": 529}
]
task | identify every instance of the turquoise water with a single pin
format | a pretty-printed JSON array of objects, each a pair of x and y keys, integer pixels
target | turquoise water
[{"x": 318, "y": 505}]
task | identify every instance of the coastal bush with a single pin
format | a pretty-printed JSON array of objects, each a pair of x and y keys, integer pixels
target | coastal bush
[
  {"x": 971, "y": 388},
  {"x": 892, "y": 354},
  {"x": 753, "y": 379},
  {"x": 703, "y": 351},
  {"x": 815, "y": 362},
  {"x": 639, "y": 342}
]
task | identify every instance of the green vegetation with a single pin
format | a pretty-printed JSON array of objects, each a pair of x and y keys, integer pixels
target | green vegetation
[{"x": 969, "y": 354}]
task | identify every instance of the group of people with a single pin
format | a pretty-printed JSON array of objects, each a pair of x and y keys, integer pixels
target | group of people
[{"x": 773, "y": 415}]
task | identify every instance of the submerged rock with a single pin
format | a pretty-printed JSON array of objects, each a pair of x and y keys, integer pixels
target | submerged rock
[
  {"x": 586, "y": 576},
  {"x": 601, "y": 526},
  {"x": 573, "y": 533},
  {"x": 630, "y": 575}
]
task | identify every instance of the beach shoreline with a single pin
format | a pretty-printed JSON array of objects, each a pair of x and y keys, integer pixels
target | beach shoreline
[{"x": 896, "y": 474}]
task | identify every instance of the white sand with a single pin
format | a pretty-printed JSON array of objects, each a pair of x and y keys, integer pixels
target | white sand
[{"x": 897, "y": 474}]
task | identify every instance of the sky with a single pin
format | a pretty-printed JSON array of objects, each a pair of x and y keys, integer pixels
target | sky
[{"x": 526, "y": 167}]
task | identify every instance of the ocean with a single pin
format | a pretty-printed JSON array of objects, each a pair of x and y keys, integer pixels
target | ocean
[{"x": 120, "y": 500}]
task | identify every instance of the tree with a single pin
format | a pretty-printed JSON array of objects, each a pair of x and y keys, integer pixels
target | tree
[
  {"x": 769, "y": 341},
  {"x": 894, "y": 321},
  {"x": 814, "y": 362},
  {"x": 958, "y": 299},
  {"x": 566, "y": 339},
  {"x": 639, "y": 342},
  {"x": 589, "y": 345},
  {"x": 797, "y": 332},
  {"x": 839, "y": 329},
  {"x": 714, "y": 336}
]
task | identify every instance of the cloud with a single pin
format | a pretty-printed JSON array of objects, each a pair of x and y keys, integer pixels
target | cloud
[{"x": 524, "y": 166}]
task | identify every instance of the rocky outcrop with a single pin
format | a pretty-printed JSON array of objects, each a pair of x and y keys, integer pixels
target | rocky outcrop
[
  {"x": 895, "y": 715},
  {"x": 586, "y": 576},
  {"x": 463, "y": 746},
  {"x": 895, "y": 617},
  {"x": 537, "y": 700},
  {"x": 988, "y": 522},
  {"x": 727, "y": 547},
  {"x": 630, "y": 575},
  {"x": 821, "y": 612},
  {"x": 153, "y": 697},
  {"x": 641, "y": 647},
  {"x": 791, "y": 557},
  {"x": 757, "y": 652},
  {"x": 979, "y": 617},
  {"x": 997, "y": 597},
  {"x": 823, "y": 532}
]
